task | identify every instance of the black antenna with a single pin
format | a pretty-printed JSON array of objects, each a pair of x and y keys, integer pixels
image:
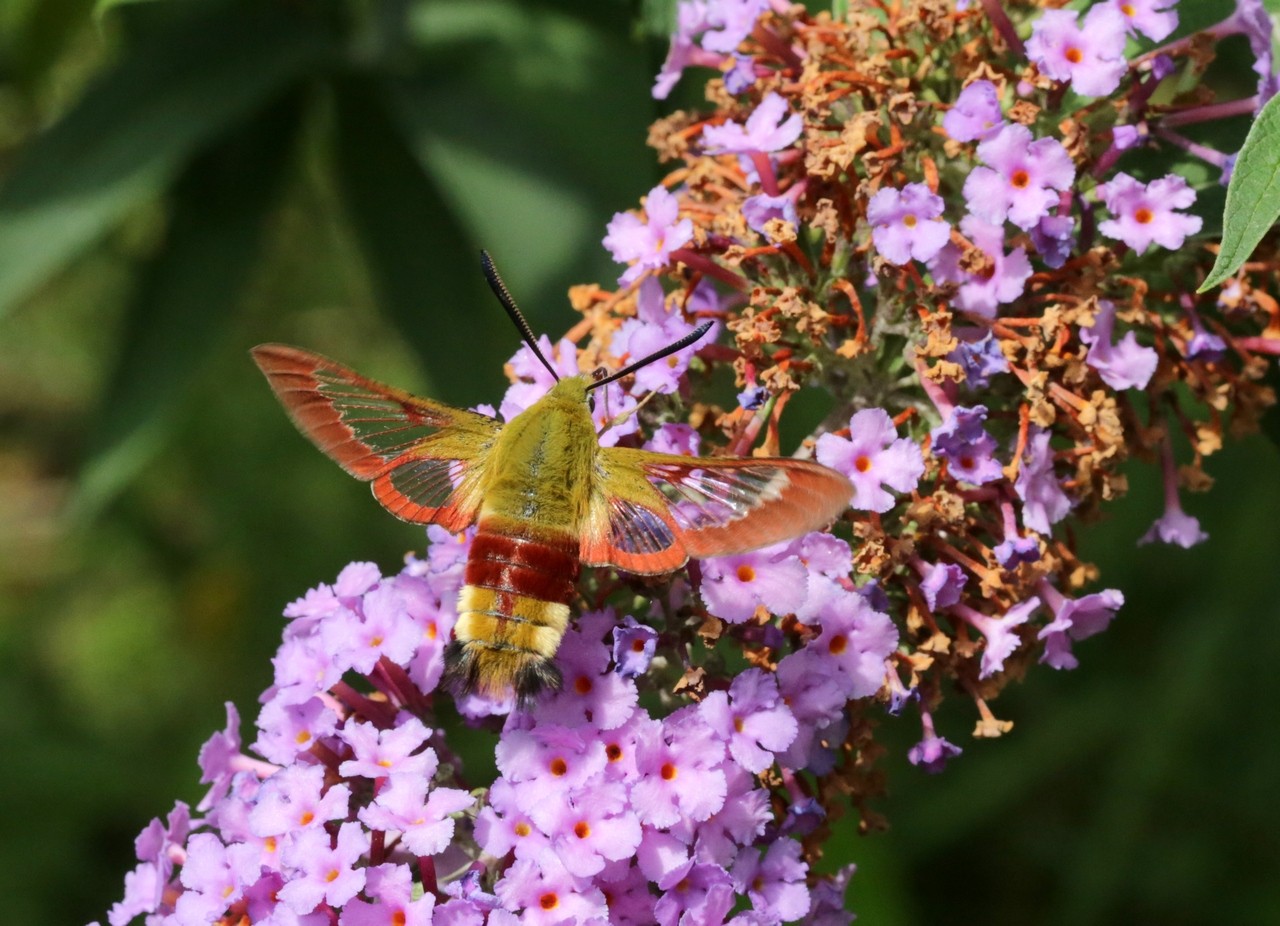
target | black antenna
[
  {"x": 694, "y": 335},
  {"x": 504, "y": 296}
]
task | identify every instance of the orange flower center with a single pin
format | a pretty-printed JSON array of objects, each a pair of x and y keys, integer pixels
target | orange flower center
[
  {"x": 1020, "y": 179},
  {"x": 909, "y": 220},
  {"x": 559, "y": 767},
  {"x": 581, "y": 829},
  {"x": 746, "y": 573},
  {"x": 306, "y": 818},
  {"x": 862, "y": 463},
  {"x": 668, "y": 771},
  {"x": 1142, "y": 215},
  {"x": 548, "y": 901},
  {"x": 613, "y": 752},
  {"x": 737, "y": 724},
  {"x": 522, "y": 829},
  {"x": 332, "y": 875},
  {"x": 837, "y": 645},
  {"x": 1074, "y": 55},
  {"x": 582, "y": 685}
]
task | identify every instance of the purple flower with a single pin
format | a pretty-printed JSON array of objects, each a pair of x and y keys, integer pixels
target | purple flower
[
  {"x": 218, "y": 760},
  {"x": 592, "y": 694},
  {"x": 633, "y": 647},
  {"x": 1043, "y": 501},
  {"x": 729, "y": 22},
  {"x": 694, "y": 894},
  {"x": 679, "y": 775},
  {"x": 1015, "y": 550},
  {"x": 966, "y": 446},
  {"x": 294, "y": 800},
  {"x": 1054, "y": 237},
  {"x": 652, "y": 329},
  {"x": 155, "y": 850},
  {"x": 1022, "y": 179},
  {"x": 942, "y": 585},
  {"x": 828, "y": 897},
  {"x": 982, "y": 293},
  {"x": 1252, "y": 19},
  {"x": 1175, "y": 525},
  {"x": 391, "y": 888},
  {"x": 423, "y": 820},
  {"x": 502, "y": 826},
  {"x": 905, "y": 223},
  {"x": 774, "y": 880},
  {"x": 855, "y": 641},
  {"x": 980, "y": 360},
  {"x": 740, "y": 77},
  {"x": 548, "y": 894},
  {"x": 761, "y": 209},
  {"x": 768, "y": 128},
  {"x": 1122, "y": 365},
  {"x": 1000, "y": 633},
  {"x": 873, "y": 456},
  {"x": 1074, "y": 619},
  {"x": 691, "y": 21},
  {"x": 675, "y": 437},
  {"x": 549, "y": 761},
  {"x": 1204, "y": 345},
  {"x": 321, "y": 872},
  {"x": 734, "y": 586},
  {"x": 741, "y": 821},
  {"x": 1090, "y": 55},
  {"x": 532, "y": 378},
  {"x": 976, "y": 114},
  {"x": 613, "y": 414},
  {"x": 751, "y": 719},
  {"x": 1155, "y": 19},
  {"x": 932, "y": 753},
  {"x": 816, "y": 696},
  {"x": 591, "y": 830},
  {"x": 354, "y": 581},
  {"x": 289, "y": 729},
  {"x": 383, "y": 628},
  {"x": 647, "y": 243},
  {"x": 1144, "y": 213},
  {"x": 212, "y": 880}
]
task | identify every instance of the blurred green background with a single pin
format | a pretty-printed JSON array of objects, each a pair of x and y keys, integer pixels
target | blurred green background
[{"x": 182, "y": 179}]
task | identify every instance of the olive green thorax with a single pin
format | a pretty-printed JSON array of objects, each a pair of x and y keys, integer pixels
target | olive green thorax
[{"x": 543, "y": 462}]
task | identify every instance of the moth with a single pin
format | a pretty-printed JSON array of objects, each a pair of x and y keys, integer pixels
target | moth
[{"x": 544, "y": 496}]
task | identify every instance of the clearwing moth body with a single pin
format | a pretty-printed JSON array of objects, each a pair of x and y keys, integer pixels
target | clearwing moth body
[{"x": 544, "y": 496}]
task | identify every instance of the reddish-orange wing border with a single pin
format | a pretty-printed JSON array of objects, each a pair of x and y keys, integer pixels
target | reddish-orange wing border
[
  {"x": 651, "y": 511},
  {"x": 423, "y": 457}
]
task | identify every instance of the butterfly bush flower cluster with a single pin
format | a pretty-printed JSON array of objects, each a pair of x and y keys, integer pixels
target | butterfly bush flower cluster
[{"x": 934, "y": 217}]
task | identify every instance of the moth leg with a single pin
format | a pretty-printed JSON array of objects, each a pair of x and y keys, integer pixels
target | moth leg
[{"x": 621, "y": 419}]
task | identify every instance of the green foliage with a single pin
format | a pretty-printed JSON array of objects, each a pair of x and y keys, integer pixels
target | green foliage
[
  {"x": 1253, "y": 195},
  {"x": 185, "y": 178}
]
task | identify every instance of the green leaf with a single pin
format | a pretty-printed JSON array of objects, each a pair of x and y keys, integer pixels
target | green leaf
[
  {"x": 102, "y": 7},
  {"x": 203, "y": 66},
  {"x": 188, "y": 294},
  {"x": 1253, "y": 195},
  {"x": 426, "y": 271},
  {"x": 519, "y": 120}
]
